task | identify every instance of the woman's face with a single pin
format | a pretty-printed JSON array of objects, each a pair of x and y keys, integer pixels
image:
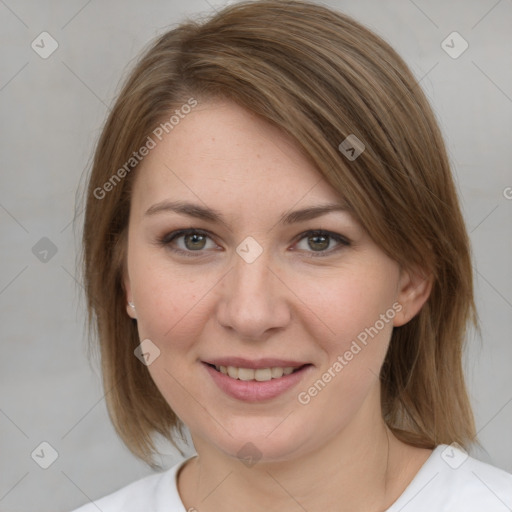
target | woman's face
[{"x": 272, "y": 274}]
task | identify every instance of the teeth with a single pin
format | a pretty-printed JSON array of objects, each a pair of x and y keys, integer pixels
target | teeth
[
  {"x": 260, "y": 375},
  {"x": 245, "y": 374},
  {"x": 263, "y": 374},
  {"x": 277, "y": 373}
]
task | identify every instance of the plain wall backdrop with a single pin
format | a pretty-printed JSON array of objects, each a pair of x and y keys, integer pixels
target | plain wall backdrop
[{"x": 52, "y": 110}]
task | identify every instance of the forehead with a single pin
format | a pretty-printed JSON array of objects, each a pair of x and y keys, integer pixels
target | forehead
[{"x": 221, "y": 153}]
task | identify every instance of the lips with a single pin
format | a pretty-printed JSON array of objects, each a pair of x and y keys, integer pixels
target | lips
[{"x": 256, "y": 380}]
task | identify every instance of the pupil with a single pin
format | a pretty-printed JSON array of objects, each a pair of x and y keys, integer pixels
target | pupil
[
  {"x": 195, "y": 241},
  {"x": 319, "y": 242}
]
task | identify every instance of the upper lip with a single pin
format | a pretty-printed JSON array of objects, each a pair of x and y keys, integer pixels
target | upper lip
[{"x": 240, "y": 362}]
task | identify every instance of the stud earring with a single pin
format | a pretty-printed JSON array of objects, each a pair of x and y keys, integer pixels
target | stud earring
[{"x": 131, "y": 304}]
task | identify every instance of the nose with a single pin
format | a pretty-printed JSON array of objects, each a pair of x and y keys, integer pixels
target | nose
[{"x": 254, "y": 300}]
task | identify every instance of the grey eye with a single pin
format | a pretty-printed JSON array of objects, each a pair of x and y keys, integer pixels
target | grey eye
[{"x": 194, "y": 241}]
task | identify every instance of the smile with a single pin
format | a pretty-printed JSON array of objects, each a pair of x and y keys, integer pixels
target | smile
[
  {"x": 256, "y": 384},
  {"x": 260, "y": 374}
]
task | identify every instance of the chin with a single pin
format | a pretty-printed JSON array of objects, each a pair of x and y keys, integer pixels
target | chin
[{"x": 265, "y": 441}]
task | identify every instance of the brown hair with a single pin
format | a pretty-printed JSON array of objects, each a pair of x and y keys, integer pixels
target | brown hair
[{"x": 319, "y": 76}]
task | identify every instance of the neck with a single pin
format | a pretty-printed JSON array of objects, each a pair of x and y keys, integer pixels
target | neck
[{"x": 359, "y": 469}]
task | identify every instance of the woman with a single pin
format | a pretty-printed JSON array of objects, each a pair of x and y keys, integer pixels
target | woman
[{"x": 275, "y": 257}]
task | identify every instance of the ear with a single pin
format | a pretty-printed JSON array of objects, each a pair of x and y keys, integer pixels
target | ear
[
  {"x": 414, "y": 289},
  {"x": 129, "y": 298}
]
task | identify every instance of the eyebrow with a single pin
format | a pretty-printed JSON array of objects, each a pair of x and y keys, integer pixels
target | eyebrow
[{"x": 209, "y": 214}]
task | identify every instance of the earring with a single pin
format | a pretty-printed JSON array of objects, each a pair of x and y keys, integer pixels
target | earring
[{"x": 131, "y": 304}]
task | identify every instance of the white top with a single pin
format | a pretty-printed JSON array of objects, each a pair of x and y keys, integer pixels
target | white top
[{"x": 449, "y": 481}]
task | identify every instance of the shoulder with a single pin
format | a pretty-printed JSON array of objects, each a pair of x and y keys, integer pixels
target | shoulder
[
  {"x": 153, "y": 493},
  {"x": 451, "y": 480}
]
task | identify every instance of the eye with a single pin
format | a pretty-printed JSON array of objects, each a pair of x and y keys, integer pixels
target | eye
[
  {"x": 321, "y": 242},
  {"x": 187, "y": 241},
  {"x": 194, "y": 242}
]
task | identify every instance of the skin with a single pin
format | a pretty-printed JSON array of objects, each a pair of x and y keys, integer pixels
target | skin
[{"x": 289, "y": 303}]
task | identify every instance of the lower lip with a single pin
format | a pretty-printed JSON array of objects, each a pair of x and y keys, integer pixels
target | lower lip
[{"x": 255, "y": 391}]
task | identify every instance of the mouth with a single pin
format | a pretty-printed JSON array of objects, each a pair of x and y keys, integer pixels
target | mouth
[
  {"x": 256, "y": 374},
  {"x": 256, "y": 381}
]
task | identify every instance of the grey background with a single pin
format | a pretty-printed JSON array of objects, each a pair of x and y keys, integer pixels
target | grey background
[{"x": 51, "y": 112}]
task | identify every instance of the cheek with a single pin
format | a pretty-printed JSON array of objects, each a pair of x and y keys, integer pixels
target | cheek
[
  {"x": 170, "y": 303},
  {"x": 347, "y": 307},
  {"x": 172, "y": 309},
  {"x": 357, "y": 314}
]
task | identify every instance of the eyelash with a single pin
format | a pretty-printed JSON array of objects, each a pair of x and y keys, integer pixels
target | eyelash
[{"x": 171, "y": 237}]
